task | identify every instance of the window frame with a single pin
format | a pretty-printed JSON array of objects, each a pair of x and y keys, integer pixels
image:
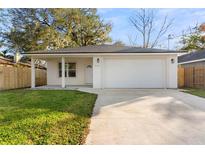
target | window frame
[
  {"x": 67, "y": 70},
  {"x": 74, "y": 69}
]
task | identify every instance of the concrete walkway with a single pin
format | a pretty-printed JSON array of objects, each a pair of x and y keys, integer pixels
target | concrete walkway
[{"x": 147, "y": 117}]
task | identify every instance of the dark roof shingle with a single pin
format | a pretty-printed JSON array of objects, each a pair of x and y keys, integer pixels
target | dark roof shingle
[
  {"x": 192, "y": 56},
  {"x": 104, "y": 49}
]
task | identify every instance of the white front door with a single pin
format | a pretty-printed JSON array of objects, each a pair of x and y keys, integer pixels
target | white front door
[{"x": 89, "y": 74}]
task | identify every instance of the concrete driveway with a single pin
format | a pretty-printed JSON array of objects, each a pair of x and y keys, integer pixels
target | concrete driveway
[{"x": 147, "y": 117}]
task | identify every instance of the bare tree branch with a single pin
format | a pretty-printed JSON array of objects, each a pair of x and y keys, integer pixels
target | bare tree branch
[
  {"x": 164, "y": 27},
  {"x": 144, "y": 23},
  {"x": 150, "y": 28},
  {"x": 132, "y": 42}
]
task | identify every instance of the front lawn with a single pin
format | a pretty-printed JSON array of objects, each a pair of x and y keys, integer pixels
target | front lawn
[
  {"x": 44, "y": 116},
  {"x": 197, "y": 92}
]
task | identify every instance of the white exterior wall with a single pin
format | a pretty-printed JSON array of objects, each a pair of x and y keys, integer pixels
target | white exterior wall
[
  {"x": 97, "y": 72},
  {"x": 169, "y": 69},
  {"x": 172, "y": 72},
  {"x": 53, "y": 76}
]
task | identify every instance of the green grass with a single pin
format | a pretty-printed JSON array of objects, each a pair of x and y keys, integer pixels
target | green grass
[
  {"x": 44, "y": 117},
  {"x": 197, "y": 92}
]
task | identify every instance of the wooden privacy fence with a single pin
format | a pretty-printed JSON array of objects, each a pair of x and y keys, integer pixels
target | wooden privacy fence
[
  {"x": 180, "y": 77},
  {"x": 18, "y": 75},
  {"x": 191, "y": 77}
]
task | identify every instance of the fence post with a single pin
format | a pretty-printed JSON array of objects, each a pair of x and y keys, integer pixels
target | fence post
[
  {"x": 181, "y": 79},
  {"x": 32, "y": 73},
  {"x": 193, "y": 76}
]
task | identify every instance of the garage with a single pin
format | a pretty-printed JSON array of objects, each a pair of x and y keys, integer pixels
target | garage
[{"x": 134, "y": 73}]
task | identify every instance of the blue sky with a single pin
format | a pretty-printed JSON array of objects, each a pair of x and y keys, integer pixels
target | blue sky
[{"x": 122, "y": 28}]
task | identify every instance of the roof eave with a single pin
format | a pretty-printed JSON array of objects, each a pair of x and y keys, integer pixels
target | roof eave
[
  {"x": 98, "y": 54},
  {"x": 191, "y": 61}
]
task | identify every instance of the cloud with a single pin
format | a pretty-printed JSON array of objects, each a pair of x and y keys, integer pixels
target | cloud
[
  {"x": 199, "y": 14},
  {"x": 165, "y": 12},
  {"x": 104, "y": 10}
]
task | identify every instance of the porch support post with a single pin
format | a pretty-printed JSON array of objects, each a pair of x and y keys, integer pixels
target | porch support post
[
  {"x": 33, "y": 73},
  {"x": 63, "y": 71}
]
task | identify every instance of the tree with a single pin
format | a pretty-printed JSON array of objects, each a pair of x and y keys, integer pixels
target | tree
[
  {"x": 2, "y": 19},
  {"x": 119, "y": 43},
  {"x": 195, "y": 39},
  {"x": 144, "y": 21},
  {"x": 1, "y": 25},
  {"x": 202, "y": 27},
  {"x": 39, "y": 29}
]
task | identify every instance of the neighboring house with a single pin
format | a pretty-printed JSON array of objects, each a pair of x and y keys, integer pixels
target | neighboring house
[
  {"x": 192, "y": 59},
  {"x": 109, "y": 66}
]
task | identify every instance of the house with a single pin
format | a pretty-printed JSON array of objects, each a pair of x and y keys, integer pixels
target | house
[
  {"x": 192, "y": 59},
  {"x": 109, "y": 66}
]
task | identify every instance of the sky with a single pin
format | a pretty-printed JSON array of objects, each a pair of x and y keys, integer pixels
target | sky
[{"x": 122, "y": 29}]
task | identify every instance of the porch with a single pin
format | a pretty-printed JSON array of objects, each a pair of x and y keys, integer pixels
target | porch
[
  {"x": 84, "y": 88},
  {"x": 58, "y": 87},
  {"x": 65, "y": 72}
]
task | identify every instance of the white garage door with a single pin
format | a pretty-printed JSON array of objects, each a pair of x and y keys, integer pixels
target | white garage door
[{"x": 134, "y": 73}]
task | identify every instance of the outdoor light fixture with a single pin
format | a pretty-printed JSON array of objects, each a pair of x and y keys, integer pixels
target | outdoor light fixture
[
  {"x": 172, "y": 60},
  {"x": 98, "y": 60}
]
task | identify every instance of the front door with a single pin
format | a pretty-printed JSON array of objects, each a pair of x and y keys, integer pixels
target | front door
[{"x": 89, "y": 74}]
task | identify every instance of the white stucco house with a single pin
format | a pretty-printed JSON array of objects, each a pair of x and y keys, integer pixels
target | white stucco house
[{"x": 109, "y": 66}]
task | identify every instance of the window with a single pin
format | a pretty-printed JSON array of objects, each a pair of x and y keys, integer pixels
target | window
[
  {"x": 70, "y": 69},
  {"x": 60, "y": 70}
]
